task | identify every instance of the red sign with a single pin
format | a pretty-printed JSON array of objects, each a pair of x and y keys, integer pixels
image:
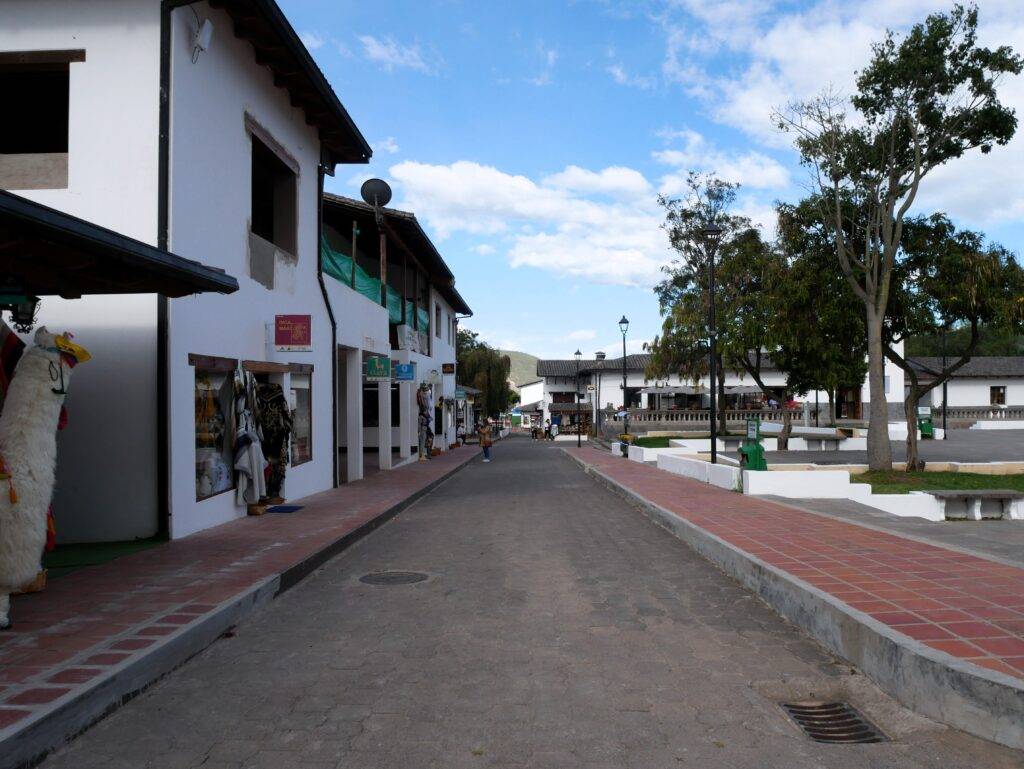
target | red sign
[
  {"x": 293, "y": 333},
  {"x": 447, "y": 368}
]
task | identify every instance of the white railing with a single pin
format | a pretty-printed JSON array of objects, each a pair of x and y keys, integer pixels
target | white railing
[
  {"x": 641, "y": 416},
  {"x": 980, "y": 412}
]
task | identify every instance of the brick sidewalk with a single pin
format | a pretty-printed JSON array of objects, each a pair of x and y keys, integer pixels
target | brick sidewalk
[
  {"x": 101, "y": 619},
  {"x": 966, "y": 606}
]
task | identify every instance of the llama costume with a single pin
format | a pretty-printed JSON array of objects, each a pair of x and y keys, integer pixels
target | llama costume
[{"x": 28, "y": 452}]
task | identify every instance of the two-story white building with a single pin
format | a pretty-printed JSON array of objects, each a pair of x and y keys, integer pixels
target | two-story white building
[
  {"x": 396, "y": 298},
  {"x": 206, "y": 129}
]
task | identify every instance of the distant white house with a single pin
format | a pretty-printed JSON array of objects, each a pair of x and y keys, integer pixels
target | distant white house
[{"x": 981, "y": 382}]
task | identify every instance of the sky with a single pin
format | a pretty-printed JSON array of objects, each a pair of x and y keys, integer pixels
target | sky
[{"x": 532, "y": 138}]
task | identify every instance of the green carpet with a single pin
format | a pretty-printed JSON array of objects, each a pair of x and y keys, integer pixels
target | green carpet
[{"x": 68, "y": 558}]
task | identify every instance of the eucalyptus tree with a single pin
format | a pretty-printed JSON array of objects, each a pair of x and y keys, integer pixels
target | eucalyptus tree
[{"x": 921, "y": 102}]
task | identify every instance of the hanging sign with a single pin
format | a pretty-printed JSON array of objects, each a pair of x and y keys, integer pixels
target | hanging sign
[
  {"x": 293, "y": 333},
  {"x": 447, "y": 368},
  {"x": 405, "y": 372},
  {"x": 378, "y": 369},
  {"x": 460, "y": 395}
]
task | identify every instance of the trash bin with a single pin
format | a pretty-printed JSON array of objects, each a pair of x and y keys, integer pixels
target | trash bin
[
  {"x": 752, "y": 455},
  {"x": 925, "y": 423}
]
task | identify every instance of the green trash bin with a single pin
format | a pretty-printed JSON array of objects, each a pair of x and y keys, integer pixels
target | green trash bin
[
  {"x": 752, "y": 452},
  {"x": 925, "y": 422}
]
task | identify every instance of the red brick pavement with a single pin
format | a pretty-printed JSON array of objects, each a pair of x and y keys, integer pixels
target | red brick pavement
[
  {"x": 961, "y": 604},
  {"x": 95, "y": 618}
]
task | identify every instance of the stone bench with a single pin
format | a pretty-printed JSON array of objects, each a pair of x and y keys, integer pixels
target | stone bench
[{"x": 980, "y": 504}]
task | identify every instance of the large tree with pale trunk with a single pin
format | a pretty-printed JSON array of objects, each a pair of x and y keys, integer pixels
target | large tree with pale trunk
[{"x": 922, "y": 101}]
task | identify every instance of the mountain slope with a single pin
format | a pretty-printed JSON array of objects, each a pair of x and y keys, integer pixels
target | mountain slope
[{"x": 524, "y": 367}]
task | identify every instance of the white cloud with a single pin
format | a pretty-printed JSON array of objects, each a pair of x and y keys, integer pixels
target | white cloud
[
  {"x": 392, "y": 55},
  {"x": 742, "y": 59},
  {"x": 557, "y": 224},
  {"x": 312, "y": 40},
  {"x": 581, "y": 335},
  {"x": 387, "y": 144},
  {"x": 484, "y": 249},
  {"x": 548, "y": 57},
  {"x": 750, "y": 169},
  {"x": 620, "y": 76}
]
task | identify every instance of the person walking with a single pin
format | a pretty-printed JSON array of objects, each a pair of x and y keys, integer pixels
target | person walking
[
  {"x": 547, "y": 429},
  {"x": 486, "y": 439}
]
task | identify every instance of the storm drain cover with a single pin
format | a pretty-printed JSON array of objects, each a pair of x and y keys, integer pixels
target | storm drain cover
[
  {"x": 832, "y": 722},
  {"x": 393, "y": 577}
]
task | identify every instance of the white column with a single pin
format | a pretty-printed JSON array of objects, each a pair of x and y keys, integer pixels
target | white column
[
  {"x": 354, "y": 413},
  {"x": 384, "y": 424},
  {"x": 406, "y": 420}
]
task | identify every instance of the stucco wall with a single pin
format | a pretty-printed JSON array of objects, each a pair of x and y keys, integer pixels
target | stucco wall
[
  {"x": 106, "y": 480},
  {"x": 210, "y": 212},
  {"x": 975, "y": 392}
]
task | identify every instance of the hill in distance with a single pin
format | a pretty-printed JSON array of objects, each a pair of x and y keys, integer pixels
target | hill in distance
[{"x": 524, "y": 367}]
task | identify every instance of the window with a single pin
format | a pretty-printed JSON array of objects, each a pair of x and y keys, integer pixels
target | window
[
  {"x": 371, "y": 405},
  {"x": 34, "y": 145},
  {"x": 214, "y": 396},
  {"x": 302, "y": 418},
  {"x": 273, "y": 198},
  {"x": 997, "y": 395},
  {"x": 437, "y": 320}
]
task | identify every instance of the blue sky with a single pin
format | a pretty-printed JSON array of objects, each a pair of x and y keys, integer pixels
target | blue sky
[{"x": 532, "y": 138}]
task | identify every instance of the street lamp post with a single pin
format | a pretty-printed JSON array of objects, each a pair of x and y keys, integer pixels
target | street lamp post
[
  {"x": 579, "y": 424},
  {"x": 712, "y": 234},
  {"x": 945, "y": 435},
  {"x": 624, "y": 327}
]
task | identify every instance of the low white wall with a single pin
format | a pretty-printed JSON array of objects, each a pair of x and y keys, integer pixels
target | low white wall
[
  {"x": 808, "y": 484},
  {"x": 999, "y": 424},
  {"x": 723, "y": 476}
]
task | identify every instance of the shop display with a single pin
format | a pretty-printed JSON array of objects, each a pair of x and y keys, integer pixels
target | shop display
[
  {"x": 249, "y": 460},
  {"x": 275, "y": 420},
  {"x": 302, "y": 419},
  {"x": 28, "y": 456},
  {"x": 214, "y": 432},
  {"x": 425, "y": 406}
]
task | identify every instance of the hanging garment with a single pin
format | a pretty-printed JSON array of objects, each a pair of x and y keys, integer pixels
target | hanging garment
[
  {"x": 11, "y": 348},
  {"x": 275, "y": 420},
  {"x": 249, "y": 461}
]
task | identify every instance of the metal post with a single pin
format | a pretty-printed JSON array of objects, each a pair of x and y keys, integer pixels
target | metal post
[
  {"x": 945, "y": 435},
  {"x": 817, "y": 407},
  {"x": 355, "y": 233},
  {"x": 579, "y": 424},
  {"x": 714, "y": 351},
  {"x": 625, "y": 400}
]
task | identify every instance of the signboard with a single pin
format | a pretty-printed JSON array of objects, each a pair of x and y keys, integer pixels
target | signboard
[
  {"x": 293, "y": 333},
  {"x": 460, "y": 395},
  {"x": 754, "y": 429},
  {"x": 447, "y": 368},
  {"x": 924, "y": 411},
  {"x": 405, "y": 372},
  {"x": 378, "y": 369},
  {"x": 591, "y": 388}
]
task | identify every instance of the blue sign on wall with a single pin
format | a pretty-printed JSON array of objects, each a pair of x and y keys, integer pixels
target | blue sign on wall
[{"x": 405, "y": 372}]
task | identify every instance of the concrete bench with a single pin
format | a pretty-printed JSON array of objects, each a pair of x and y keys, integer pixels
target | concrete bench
[
  {"x": 822, "y": 444},
  {"x": 980, "y": 504}
]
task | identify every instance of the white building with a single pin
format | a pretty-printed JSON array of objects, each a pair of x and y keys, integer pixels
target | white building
[
  {"x": 982, "y": 382},
  {"x": 601, "y": 387},
  {"x": 414, "y": 321},
  {"x": 212, "y": 146}
]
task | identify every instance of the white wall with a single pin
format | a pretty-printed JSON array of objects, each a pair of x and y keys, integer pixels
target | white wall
[
  {"x": 112, "y": 181},
  {"x": 975, "y": 392},
  {"x": 210, "y": 211},
  {"x": 532, "y": 392}
]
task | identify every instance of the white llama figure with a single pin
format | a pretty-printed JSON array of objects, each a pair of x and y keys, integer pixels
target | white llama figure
[{"x": 28, "y": 448}]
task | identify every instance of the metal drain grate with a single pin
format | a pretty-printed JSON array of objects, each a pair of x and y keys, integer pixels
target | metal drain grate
[
  {"x": 393, "y": 577},
  {"x": 832, "y": 722}
]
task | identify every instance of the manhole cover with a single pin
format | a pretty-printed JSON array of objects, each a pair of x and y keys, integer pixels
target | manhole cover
[
  {"x": 393, "y": 577},
  {"x": 832, "y": 722}
]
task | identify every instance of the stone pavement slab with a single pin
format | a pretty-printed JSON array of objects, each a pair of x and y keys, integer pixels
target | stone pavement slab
[
  {"x": 558, "y": 628},
  {"x": 102, "y": 633},
  {"x": 958, "y": 606},
  {"x": 995, "y": 538}
]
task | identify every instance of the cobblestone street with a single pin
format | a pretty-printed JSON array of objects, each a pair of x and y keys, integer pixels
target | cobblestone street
[{"x": 558, "y": 627}]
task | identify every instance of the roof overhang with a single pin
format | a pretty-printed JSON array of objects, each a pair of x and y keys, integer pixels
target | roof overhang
[
  {"x": 277, "y": 46},
  {"x": 50, "y": 253},
  {"x": 405, "y": 232}
]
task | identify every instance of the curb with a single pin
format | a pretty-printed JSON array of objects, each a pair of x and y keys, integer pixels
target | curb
[
  {"x": 981, "y": 702},
  {"x": 74, "y": 714}
]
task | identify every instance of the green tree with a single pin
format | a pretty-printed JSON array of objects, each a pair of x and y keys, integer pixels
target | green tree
[
  {"x": 481, "y": 366},
  {"x": 945, "y": 276},
  {"x": 819, "y": 328},
  {"x": 921, "y": 102}
]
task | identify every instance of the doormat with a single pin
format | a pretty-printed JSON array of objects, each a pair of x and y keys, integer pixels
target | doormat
[{"x": 284, "y": 508}]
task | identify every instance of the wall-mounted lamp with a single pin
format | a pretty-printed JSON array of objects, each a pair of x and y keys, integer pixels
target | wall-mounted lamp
[{"x": 201, "y": 41}]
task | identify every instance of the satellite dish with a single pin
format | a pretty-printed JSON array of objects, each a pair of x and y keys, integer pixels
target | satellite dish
[{"x": 376, "y": 192}]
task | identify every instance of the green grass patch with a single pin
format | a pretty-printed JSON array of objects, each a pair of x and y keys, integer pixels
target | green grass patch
[
  {"x": 896, "y": 482},
  {"x": 658, "y": 442}
]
